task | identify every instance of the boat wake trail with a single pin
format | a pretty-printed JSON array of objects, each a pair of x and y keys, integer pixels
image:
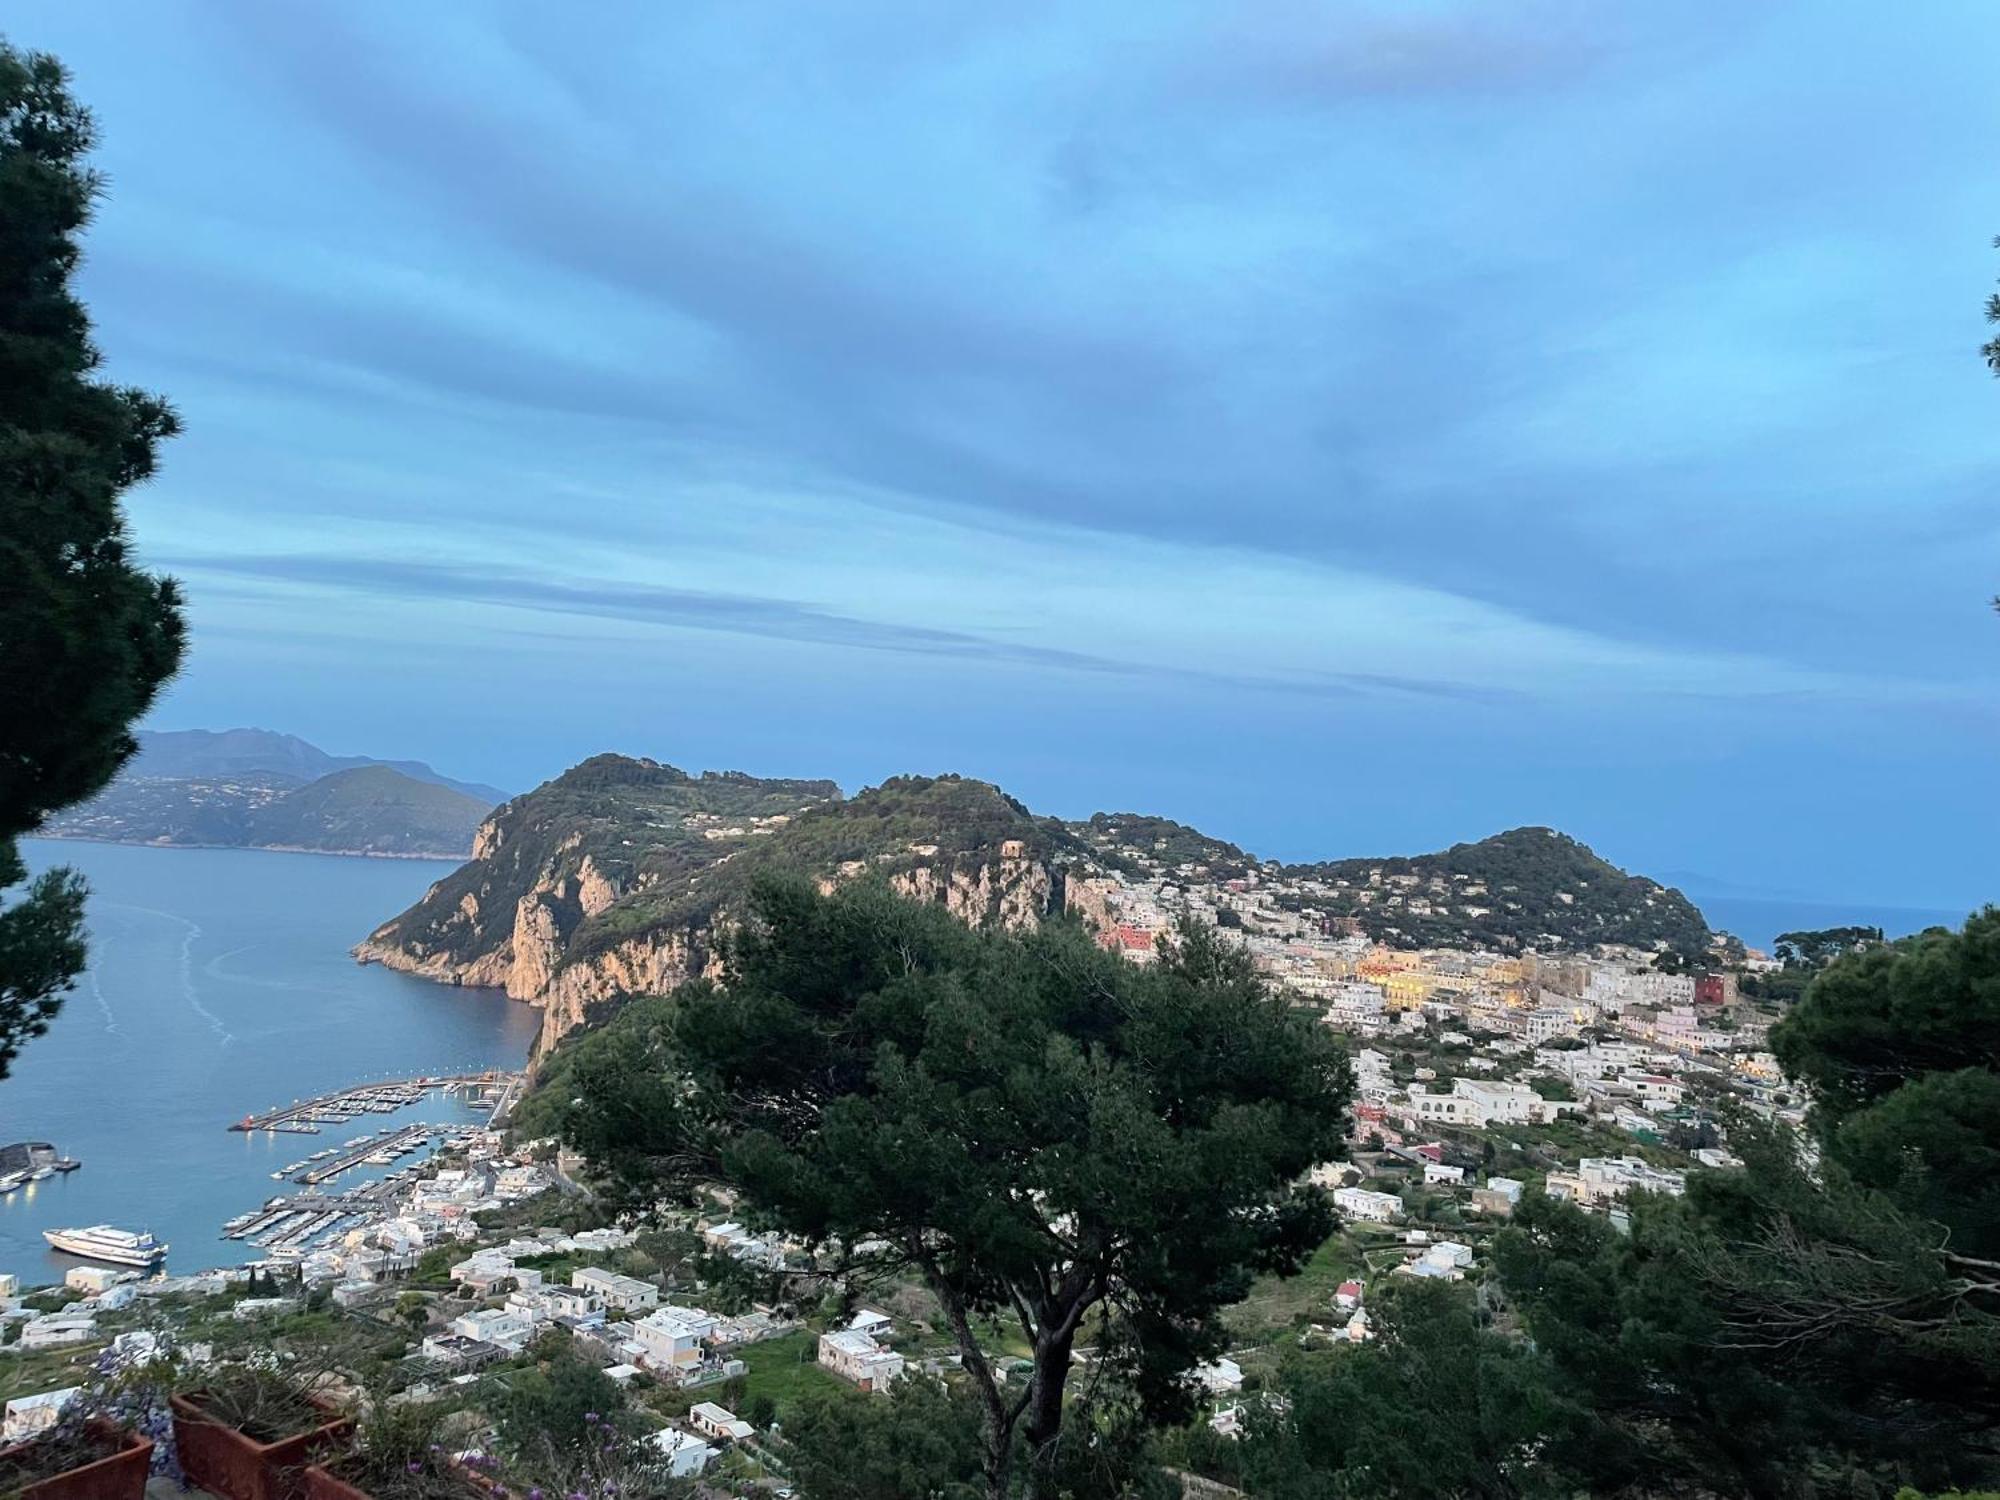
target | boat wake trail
[
  {"x": 187, "y": 982},
  {"x": 190, "y": 932},
  {"x": 97, "y": 994}
]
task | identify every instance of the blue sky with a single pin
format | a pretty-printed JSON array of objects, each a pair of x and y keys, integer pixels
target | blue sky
[{"x": 1347, "y": 427}]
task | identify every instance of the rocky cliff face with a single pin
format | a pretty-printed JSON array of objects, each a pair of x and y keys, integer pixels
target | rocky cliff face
[
  {"x": 532, "y": 962},
  {"x": 1012, "y": 890},
  {"x": 614, "y": 880}
]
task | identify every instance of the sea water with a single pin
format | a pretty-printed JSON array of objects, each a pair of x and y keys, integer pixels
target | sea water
[{"x": 220, "y": 985}]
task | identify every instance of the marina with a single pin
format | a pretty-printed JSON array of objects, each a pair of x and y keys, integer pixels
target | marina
[
  {"x": 379, "y": 1150},
  {"x": 493, "y": 1090},
  {"x": 288, "y": 1226},
  {"x": 291, "y": 1226}
]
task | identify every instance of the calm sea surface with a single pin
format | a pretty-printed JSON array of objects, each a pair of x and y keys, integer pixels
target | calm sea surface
[
  {"x": 220, "y": 984},
  {"x": 1758, "y": 922}
]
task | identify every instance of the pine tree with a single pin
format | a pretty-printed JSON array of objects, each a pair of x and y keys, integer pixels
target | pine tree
[{"x": 86, "y": 639}]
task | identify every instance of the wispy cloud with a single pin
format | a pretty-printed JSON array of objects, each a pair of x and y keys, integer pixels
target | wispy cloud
[{"x": 780, "y": 619}]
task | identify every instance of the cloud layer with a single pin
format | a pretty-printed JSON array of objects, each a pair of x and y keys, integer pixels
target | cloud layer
[{"x": 1506, "y": 379}]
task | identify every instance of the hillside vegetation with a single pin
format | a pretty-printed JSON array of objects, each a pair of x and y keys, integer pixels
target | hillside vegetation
[
  {"x": 369, "y": 810},
  {"x": 1527, "y": 888}
]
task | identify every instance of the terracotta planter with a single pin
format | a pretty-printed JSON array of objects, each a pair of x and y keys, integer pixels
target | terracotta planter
[
  {"x": 321, "y": 1485},
  {"x": 238, "y": 1467},
  {"x": 121, "y": 1475}
]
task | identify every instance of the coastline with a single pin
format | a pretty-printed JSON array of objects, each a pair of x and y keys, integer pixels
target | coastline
[{"x": 84, "y": 838}]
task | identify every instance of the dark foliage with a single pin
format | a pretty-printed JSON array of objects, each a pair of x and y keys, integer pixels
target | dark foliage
[
  {"x": 1038, "y": 1130},
  {"x": 86, "y": 639},
  {"x": 1527, "y": 873},
  {"x": 1434, "y": 1405},
  {"x": 1799, "y": 1327}
]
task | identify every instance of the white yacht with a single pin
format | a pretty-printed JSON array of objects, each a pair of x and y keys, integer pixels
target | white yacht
[{"x": 102, "y": 1242}]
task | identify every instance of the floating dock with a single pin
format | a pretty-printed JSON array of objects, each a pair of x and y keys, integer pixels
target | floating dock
[
  {"x": 305, "y": 1116},
  {"x": 380, "y": 1149}
]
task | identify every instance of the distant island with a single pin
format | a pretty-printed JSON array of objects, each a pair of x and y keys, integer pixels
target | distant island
[
  {"x": 257, "y": 789},
  {"x": 609, "y": 881}
]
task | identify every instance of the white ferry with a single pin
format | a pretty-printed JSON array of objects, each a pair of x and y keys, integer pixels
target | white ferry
[{"x": 102, "y": 1242}]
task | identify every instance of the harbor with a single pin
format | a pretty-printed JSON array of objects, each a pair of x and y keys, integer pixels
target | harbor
[
  {"x": 492, "y": 1090},
  {"x": 24, "y": 1162},
  {"x": 139, "y": 1079},
  {"x": 289, "y": 1226},
  {"x": 381, "y": 1150}
]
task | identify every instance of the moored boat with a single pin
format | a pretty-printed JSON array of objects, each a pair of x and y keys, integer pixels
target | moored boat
[{"x": 102, "y": 1242}]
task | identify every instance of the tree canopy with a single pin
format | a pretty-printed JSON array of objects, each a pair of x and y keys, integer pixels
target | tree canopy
[
  {"x": 1813, "y": 1322},
  {"x": 1815, "y": 948},
  {"x": 86, "y": 639},
  {"x": 1039, "y": 1130},
  {"x": 1435, "y": 1404}
]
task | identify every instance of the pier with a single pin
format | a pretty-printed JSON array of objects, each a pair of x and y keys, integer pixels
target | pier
[
  {"x": 306, "y": 1116},
  {"x": 289, "y": 1225},
  {"x": 368, "y": 1148}
]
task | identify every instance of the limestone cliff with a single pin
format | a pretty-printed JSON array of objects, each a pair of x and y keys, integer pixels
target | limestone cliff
[
  {"x": 614, "y": 879},
  {"x": 617, "y": 878}
]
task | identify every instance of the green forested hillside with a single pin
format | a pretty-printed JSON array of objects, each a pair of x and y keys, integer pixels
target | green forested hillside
[
  {"x": 369, "y": 810},
  {"x": 670, "y": 849},
  {"x": 1525, "y": 888}
]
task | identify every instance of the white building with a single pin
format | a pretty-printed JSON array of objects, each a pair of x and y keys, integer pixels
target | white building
[
  {"x": 670, "y": 1338},
  {"x": 92, "y": 1280},
  {"x": 1599, "y": 1180},
  {"x": 1479, "y": 1101},
  {"x": 1447, "y": 1260},
  {"x": 1356, "y": 1006},
  {"x": 720, "y": 1422},
  {"x": 493, "y": 1325},
  {"x": 520, "y": 1182},
  {"x": 626, "y": 1294},
  {"x": 1655, "y": 1090},
  {"x": 1362, "y": 1203},
  {"x": 1219, "y": 1377},
  {"x": 29, "y": 1415},
  {"x": 1548, "y": 1022},
  {"x": 686, "y": 1454},
  {"x": 485, "y": 1269},
  {"x": 858, "y": 1358},
  {"x": 53, "y": 1330},
  {"x": 542, "y": 1303}
]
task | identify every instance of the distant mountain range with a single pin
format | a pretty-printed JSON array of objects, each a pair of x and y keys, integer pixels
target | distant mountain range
[
  {"x": 609, "y": 880},
  {"x": 210, "y": 753},
  {"x": 253, "y": 788}
]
